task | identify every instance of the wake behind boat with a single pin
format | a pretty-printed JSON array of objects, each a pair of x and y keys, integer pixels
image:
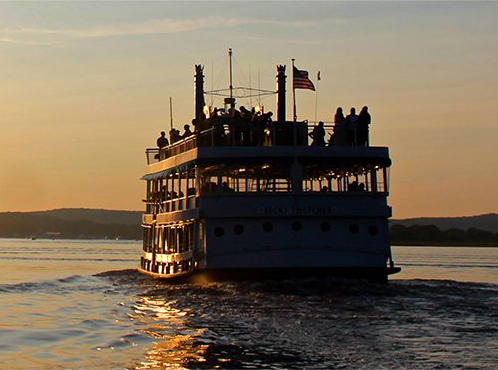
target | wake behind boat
[{"x": 245, "y": 196}]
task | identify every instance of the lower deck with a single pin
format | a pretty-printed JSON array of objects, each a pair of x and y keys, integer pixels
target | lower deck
[
  {"x": 237, "y": 209},
  {"x": 261, "y": 242}
]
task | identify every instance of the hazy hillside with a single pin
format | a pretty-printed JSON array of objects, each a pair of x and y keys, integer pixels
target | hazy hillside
[
  {"x": 76, "y": 223},
  {"x": 100, "y": 223},
  {"x": 102, "y": 216},
  {"x": 432, "y": 235},
  {"x": 487, "y": 222}
]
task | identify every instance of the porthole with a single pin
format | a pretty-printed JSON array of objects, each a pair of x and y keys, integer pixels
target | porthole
[
  {"x": 296, "y": 226},
  {"x": 354, "y": 229},
  {"x": 219, "y": 231},
  {"x": 373, "y": 230},
  {"x": 325, "y": 226},
  {"x": 267, "y": 227},
  {"x": 238, "y": 229}
]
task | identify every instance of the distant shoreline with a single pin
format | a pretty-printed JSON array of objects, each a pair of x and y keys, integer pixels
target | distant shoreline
[
  {"x": 431, "y": 235},
  {"x": 407, "y": 245},
  {"x": 400, "y": 245},
  {"x": 43, "y": 238},
  {"x": 109, "y": 225}
]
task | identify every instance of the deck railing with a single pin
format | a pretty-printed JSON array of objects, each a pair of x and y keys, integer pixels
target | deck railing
[
  {"x": 277, "y": 134},
  {"x": 157, "y": 205}
]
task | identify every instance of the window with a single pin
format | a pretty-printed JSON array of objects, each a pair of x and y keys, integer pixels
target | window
[
  {"x": 373, "y": 230},
  {"x": 296, "y": 226},
  {"x": 238, "y": 229},
  {"x": 325, "y": 226},
  {"x": 219, "y": 231},
  {"x": 354, "y": 229},
  {"x": 267, "y": 227}
]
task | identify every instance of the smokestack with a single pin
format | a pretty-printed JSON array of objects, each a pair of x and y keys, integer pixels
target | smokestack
[
  {"x": 199, "y": 91},
  {"x": 281, "y": 93}
]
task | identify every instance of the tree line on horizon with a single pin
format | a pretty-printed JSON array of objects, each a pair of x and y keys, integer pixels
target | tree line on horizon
[
  {"x": 22, "y": 225},
  {"x": 432, "y": 235},
  {"x": 25, "y": 225}
]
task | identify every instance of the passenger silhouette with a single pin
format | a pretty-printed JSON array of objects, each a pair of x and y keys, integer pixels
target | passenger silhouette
[
  {"x": 354, "y": 186},
  {"x": 225, "y": 187},
  {"x": 340, "y": 131},
  {"x": 187, "y": 132},
  {"x": 235, "y": 127},
  {"x": 162, "y": 141},
  {"x": 174, "y": 136},
  {"x": 218, "y": 131},
  {"x": 364, "y": 120},
  {"x": 246, "y": 125},
  {"x": 318, "y": 135},
  {"x": 260, "y": 124},
  {"x": 352, "y": 126}
]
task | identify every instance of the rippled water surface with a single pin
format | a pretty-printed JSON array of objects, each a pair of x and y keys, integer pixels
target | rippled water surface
[{"x": 80, "y": 305}]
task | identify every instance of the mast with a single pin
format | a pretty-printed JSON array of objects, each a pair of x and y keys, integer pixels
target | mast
[
  {"x": 293, "y": 93},
  {"x": 171, "y": 111},
  {"x": 316, "y": 95},
  {"x": 294, "y": 129},
  {"x": 230, "y": 60}
]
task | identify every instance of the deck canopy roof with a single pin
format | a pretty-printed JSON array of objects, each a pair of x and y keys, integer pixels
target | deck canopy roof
[{"x": 242, "y": 156}]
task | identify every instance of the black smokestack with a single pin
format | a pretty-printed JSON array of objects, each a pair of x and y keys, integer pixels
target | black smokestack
[
  {"x": 199, "y": 91},
  {"x": 281, "y": 93}
]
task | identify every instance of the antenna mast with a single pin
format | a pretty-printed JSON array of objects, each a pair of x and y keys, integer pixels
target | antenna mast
[
  {"x": 230, "y": 59},
  {"x": 171, "y": 111}
]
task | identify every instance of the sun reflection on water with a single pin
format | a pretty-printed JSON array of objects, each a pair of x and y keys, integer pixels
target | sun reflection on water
[{"x": 174, "y": 343}]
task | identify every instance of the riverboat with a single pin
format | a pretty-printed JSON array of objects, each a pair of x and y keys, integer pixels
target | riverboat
[{"x": 239, "y": 199}]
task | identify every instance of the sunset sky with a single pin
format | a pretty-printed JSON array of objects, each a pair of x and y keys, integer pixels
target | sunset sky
[{"x": 85, "y": 87}]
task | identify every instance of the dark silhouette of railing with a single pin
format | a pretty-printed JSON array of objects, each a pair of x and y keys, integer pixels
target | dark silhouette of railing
[{"x": 276, "y": 134}]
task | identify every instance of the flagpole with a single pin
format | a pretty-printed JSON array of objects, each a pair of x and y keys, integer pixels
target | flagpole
[
  {"x": 316, "y": 95},
  {"x": 293, "y": 92},
  {"x": 294, "y": 128},
  {"x": 171, "y": 112}
]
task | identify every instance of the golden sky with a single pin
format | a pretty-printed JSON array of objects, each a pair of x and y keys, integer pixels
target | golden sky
[{"x": 85, "y": 86}]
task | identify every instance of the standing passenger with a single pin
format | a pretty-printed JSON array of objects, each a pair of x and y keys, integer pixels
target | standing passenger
[
  {"x": 235, "y": 127},
  {"x": 364, "y": 120},
  {"x": 318, "y": 135},
  {"x": 340, "y": 132},
  {"x": 245, "y": 126},
  {"x": 162, "y": 141},
  {"x": 187, "y": 132},
  {"x": 352, "y": 126},
  {"x": 260, "y": 125},
  {"x": 174, "y": 135}
]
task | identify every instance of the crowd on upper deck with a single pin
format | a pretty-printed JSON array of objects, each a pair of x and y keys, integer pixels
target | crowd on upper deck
[
  {"x": 248, "y": 127},
  {"x": 350, "y": 130}
]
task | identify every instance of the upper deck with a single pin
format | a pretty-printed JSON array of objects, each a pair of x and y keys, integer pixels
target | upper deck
[
  {"x": 183, "y": 177},
  {"x": 205, "y": 148}
]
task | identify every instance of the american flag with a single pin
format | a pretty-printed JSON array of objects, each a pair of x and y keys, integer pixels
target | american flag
[{"x": 301, "y": 80}]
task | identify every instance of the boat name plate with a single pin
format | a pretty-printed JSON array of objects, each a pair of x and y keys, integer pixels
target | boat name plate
[{"x": 298, "y": 211}]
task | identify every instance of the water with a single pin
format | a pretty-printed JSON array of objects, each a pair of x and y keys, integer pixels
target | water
[{"x": 80, "y": 305}]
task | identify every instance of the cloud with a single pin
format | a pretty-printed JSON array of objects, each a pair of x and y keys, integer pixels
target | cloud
[
  {"x": 152, "y": 27},
  {"x": 24, "y": 42}
]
